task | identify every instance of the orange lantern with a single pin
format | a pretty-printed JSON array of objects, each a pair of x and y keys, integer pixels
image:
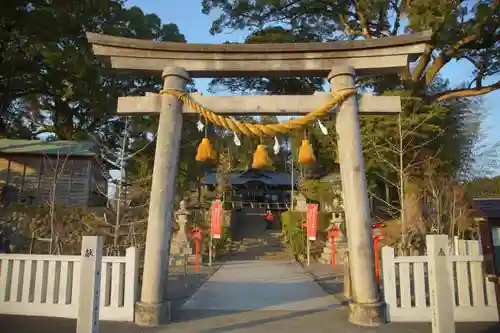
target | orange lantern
[
  {"x": 333, "y": 233},
  {"x": 377, "y": 236},
  {"x": 197, "y": 235}
]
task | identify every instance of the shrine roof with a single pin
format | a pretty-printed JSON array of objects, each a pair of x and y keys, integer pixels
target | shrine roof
[
  {"x": 251, "y": 175},
  {"x": 50, "y": 148},
  {"x": 488, "y": 207}
]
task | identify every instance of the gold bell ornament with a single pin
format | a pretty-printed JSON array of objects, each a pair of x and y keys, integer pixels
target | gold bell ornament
[
  {"x": 306, "y": 153},
  {"x": 261, "y": 159},
  {"x": 205, "y": 152}
]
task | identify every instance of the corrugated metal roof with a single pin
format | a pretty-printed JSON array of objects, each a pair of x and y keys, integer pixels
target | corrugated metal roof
[
  {"x": 51, "y": 148},
  {"x": 243, "y": 177},
  {"x": 488, "y": 208}
]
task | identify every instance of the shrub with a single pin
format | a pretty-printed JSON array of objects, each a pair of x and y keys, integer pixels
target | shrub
[
  {"x": 203, "y": 221},
  {"x": 225, "y": 239},
  {"x": 295, "y": 236}
]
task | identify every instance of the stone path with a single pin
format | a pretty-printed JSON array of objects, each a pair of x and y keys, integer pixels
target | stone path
[
  {"x": 246, "y": 282},
  {"x": 260, "y": 285}
]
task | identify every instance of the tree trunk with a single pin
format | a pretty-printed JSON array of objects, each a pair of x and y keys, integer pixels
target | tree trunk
[
  {"x": 63, "y": 120},
  {"x": 5, "y": 103}
]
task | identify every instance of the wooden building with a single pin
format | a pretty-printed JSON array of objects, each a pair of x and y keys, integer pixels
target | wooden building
[
  {"x": 255, "y": 185},
  {"x": 487, "y": 213},
  {"x": 44, "y": 172}
]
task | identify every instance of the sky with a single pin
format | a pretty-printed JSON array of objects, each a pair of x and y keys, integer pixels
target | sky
[{"x": 195, "y": 27}]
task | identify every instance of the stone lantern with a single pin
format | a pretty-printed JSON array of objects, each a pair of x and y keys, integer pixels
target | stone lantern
[
  {"x": 180, "y": 248},
  {"x": 336, "y": 223}
]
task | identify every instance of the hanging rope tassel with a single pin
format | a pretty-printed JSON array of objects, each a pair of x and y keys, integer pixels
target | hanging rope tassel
[
  {"x": 306, "y": 153},
  {"x": 261, "y": 159},
  {"x": 205, "y": 152}
]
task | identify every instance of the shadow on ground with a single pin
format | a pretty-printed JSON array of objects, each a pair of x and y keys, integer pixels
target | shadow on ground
[
  {"x": 182, "y": 285},
  {"x": 256, "y": 322}
]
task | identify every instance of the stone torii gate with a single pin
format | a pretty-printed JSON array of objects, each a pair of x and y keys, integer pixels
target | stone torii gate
[{"x": 338, "y": 61}]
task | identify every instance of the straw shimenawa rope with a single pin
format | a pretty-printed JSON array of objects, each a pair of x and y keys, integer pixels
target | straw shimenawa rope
[{"x": 261, "y": 130}]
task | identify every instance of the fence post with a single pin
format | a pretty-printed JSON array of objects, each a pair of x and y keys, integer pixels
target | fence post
[
  {"x": 389, "y": 280},
  {"x": 131, "y": 279},
  {"x": 90, "y": 282},
  {"x": 440, "y": 284},
  {"x": 456, "y": 247}
]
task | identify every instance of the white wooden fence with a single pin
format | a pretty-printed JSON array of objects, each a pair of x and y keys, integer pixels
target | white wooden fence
[
  {"x": 406, "y": 286},
  {"x": 48, "y": 285}
]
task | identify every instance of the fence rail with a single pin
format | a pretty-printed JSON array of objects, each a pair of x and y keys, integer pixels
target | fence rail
[
  {"x": 264, "y": 205},
  {"x": 406, "y": 286},
  {"x": 48, "y": 285}
]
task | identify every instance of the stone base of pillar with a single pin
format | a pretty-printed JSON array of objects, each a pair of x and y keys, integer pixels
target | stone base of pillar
[
  {"x": 147, "y": 314},
  {"x": 363, "y": 314}
]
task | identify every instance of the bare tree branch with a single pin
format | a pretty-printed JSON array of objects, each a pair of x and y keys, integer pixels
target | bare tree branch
[{"x": 460, "y": 93}]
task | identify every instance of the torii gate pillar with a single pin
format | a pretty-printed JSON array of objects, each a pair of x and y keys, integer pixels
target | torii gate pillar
[
  {"x": 154, "y": 309},
  {"x": 366, "y": 308}
]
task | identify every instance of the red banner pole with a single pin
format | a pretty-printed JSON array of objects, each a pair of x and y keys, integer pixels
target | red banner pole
[
  {"x": 333, "y": 253},
  {"x": 377, "y": 263},
  {"x": 197, "y": 251}
]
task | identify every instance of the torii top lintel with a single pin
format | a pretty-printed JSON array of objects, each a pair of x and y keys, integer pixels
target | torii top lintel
[{"x": 368, "y": 57}]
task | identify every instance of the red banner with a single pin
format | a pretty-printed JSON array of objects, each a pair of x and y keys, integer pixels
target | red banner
[
  {"x": 312, "y": 221},
  {"x": 216, "y": 220}
]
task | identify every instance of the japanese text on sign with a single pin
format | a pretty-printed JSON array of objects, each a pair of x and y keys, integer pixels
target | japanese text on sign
[
  {"x": 312, "y": 221},
  {"x": 88, "y": 253},
  {"x": 216, "y": 219}
]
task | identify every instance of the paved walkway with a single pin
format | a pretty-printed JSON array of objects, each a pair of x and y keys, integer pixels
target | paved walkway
[{"x": 260, "y": 285}]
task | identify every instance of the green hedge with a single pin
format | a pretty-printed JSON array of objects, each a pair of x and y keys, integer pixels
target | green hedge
[
  {"x": 294, "y": 236},
  {"x": 221, "y": 244}
]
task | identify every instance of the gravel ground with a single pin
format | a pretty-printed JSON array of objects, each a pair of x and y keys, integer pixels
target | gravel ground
[
  {"x": 332, "y": 281},
  {"x": 182, "y": 286}
]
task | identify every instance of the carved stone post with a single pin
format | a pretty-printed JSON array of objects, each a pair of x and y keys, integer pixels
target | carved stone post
[
  {"x": 365, "y": 308},
  {"x": 154, "y": 309},
  {"x": 180, "y": 247}
]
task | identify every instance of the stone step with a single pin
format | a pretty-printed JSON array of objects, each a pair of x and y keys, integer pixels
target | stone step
[
  {"x": 328, "y": 249},
  {"x": 323, "y": 261},
  {"x": 327, "y": 257}
]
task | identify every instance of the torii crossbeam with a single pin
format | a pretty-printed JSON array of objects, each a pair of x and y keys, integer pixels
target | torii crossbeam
[
  {"x": 281, "y": 105},
  {"x": 339, "y": 61}
]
